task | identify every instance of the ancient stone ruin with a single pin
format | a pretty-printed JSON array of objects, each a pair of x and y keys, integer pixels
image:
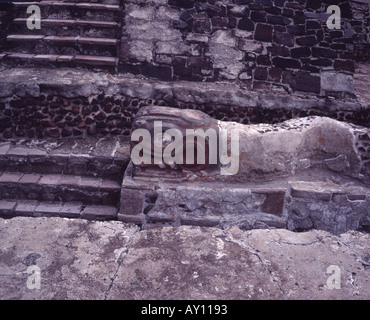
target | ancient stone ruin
[{"x": 284, "y": 78}]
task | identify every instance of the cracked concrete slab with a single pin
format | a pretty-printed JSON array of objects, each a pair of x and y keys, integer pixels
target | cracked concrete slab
[
  {"x": 77, "y": 258},
  {"x": 81, "y": 259}
]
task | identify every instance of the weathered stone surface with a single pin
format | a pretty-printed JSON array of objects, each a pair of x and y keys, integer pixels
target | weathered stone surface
[
  {"x": 339, "y": 82},
  {"x": 290, "y": 155},
  {"x": 109, "y": 260},
  {"x": 77, "y": 258}
]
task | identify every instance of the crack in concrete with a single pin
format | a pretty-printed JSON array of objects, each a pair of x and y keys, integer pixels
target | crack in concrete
[
  {"x": 120, "y": 260},
  {"x": 247, "y": 245}
]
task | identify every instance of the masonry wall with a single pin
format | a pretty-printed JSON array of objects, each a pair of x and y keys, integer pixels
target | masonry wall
[
  {"x": 6, "y": 16},
  {"x": 262, "y": 44}
]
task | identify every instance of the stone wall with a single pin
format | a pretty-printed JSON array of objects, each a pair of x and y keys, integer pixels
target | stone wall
[
  {"x": 6, "y": 16},
  {"x": 35, "y": 103},
  {"x": 262, "y": 44}
]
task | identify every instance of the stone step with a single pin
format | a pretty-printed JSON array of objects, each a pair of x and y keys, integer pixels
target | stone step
[
  {"x": 102, "y": 158},
  {"x": 73, "y": 33},
  {"x": 70, "y": 10},
  {"x": 32, "y": 208},
  {"x": 70, "y": 59},
  {"x": 85, "y": 5},
  {"x": 58, "y": 187},
  {"x": 64, "y": 40},
  {"x": 62, "y": 45},
  {"x": 84, "y": 28},
  {"x": 69, "y": 23}
]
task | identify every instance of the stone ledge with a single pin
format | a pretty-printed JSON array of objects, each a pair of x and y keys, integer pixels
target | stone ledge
[
  {"x": 73, "y": 83},
  {"x": 71, "y": 209}
]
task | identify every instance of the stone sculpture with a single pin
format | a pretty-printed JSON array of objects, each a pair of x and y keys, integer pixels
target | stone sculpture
[{"x": 300, "y": 174}]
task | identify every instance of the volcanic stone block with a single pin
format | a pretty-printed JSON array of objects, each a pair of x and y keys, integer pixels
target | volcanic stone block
[
  {"x": 246, "y": 24},
  {"x": 99, "y": 213},
  {"x": 306, "y": 41},
  {"x": 302, "y": 81},
  {"x": 324, "y": 53},
  {"x": 263, "y": 32},
  {"x": 285, "y": 63},
  {"x": 278, "y": 20},
  {"x": 132, "y": 201},
  {"x": 284, "y": 38},
  {"x": 300, "y": 52},
  {"x": 7, "y": 208},
  {"x": 273, "y": 204}
]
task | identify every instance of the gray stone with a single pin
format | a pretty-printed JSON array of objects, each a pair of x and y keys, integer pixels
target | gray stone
[
  {"x": 334, "y": 81},
  {"x": 77, "y": 258},
  {"x": 99, "y": 213},
  {"x": 80, "y": 259}
]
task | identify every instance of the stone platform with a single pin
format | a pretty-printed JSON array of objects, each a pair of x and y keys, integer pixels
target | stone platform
[
  {"x": 80, "y": 259},
  {"x": 314, "y": 200}
]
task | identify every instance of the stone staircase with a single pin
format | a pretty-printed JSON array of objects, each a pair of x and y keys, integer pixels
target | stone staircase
[
  {"x": 61, "y": 180},
  {"x": 72, "y": 34}
]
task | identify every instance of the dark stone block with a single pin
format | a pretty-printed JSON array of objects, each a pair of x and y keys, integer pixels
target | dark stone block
[
  {"x": 263, "y": 32},
  {"x": 260, "y": 73},
  {"x": 178, "y": 24},
  {"x": 302, "y": 81},
  {"x": 286, "y": 63},
  {"x": 275, "y": 74},
  {"x": 198, "y": 62},
  {"x": 273, "y": 204},
  {"x": 324, "y": 52},
  {"x": 267, "y": 3},
  {"x": 347, "y": 65},
  {"x": 258, "y": 16},
  {"x": 186, "y": 16},
  {"x": 338, "y": 46},
  {"x": 300, "y": 52},
  {"x": 313, "y": 4},
  {"x": 186, "y": 4},
  {"x": 232, "y": 22},
  {"x": 278, "y": 20},
  {"x": 246, "y": 24},
  {"x": 336, "y": 34},
  {"x": 273, "y": 10},
  {"x": 279, "y": 3},
  {"x": 279, "y": 50},
  {"x": 306, "y": 41},
  {"x": 297, "y": 30},
  {"x": 163, "y": 73},
  {"x": 264, "y": 59},
  {"x": 219, "y": 22},
  {"x": 52, "y": 133},
  {"x": 299, "y": 17},
  {"x": 279, "y": 28},
  {"x": 294, "y": 5},
  {"x": 311, "y": 24},
  {"x": 5, "y": 123},
  {"x": 255, "y": 6},
  {"x": 182, "y": 71},
  {"x": 288, "y": 13},
  {"x": 285, "y": 39},
  {"x": 200, "y": 26}
]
